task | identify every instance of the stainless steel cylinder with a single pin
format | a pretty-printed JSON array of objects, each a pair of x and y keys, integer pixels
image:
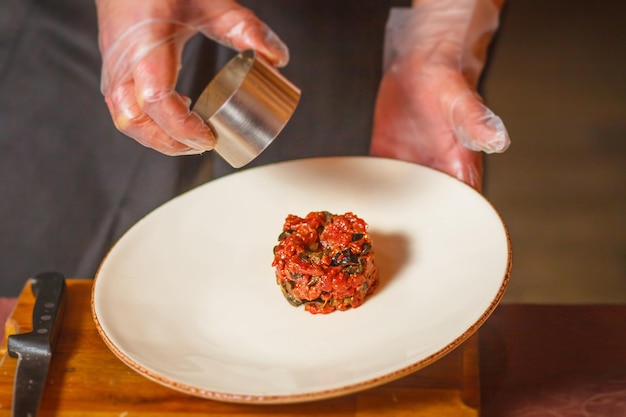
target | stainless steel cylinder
[{"x": 247, "y": 105}]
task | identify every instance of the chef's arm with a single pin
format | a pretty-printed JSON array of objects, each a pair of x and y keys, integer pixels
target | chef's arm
[
  {"x": 475, "y": 30},
  {"x": 428, "y": 110}
]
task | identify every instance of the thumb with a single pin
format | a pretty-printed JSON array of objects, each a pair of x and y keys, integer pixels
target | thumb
[{"x": 477, "y": 127}]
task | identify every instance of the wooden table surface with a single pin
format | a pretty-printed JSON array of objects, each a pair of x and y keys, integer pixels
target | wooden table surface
[{"x": 86, "y": 379}]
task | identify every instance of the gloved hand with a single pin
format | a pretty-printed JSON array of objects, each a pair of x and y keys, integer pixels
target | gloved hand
[
  {"x": 141, "y": 44},
  {"x": 427, "y": 109}
]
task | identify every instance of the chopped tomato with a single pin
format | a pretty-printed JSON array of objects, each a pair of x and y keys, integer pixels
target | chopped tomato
[{"x": 325, "y": 261}]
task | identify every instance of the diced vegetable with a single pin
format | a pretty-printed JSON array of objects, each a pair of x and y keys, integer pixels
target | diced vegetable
[{"x": 325, "y": 261}]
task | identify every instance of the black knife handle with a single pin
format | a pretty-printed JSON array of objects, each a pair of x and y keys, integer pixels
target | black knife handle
[{"x": 49, "y": 290}]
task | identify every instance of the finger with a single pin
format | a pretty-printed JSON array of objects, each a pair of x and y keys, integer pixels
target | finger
[
  {"x": 465, "y": 165},
  {"x": 154, "y": 88},
  {"x": 476, "y": 126},
  {"x": 238, "y": 27},
  {"x": 132, "y": 121}
]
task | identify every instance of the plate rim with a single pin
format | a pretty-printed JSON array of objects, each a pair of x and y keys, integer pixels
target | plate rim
[{"x": 316, "y": 395}]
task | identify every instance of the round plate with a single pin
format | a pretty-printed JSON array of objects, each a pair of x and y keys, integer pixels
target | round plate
[{"x": 188, "y": 297}]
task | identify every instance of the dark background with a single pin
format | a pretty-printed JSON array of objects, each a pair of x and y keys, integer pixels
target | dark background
[{"x": 557, "y": 76}]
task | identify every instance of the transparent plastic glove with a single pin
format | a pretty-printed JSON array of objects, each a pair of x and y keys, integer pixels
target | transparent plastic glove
[
  {"x": 427, "y": 109},
  {"x": 141, "y": 44}
]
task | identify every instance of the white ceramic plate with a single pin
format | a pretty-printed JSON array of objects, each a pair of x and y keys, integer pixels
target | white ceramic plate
[{"x": 188, "y": 297}]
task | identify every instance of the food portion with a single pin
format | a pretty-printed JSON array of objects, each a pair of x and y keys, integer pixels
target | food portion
[{"x": 325, "y": 261}]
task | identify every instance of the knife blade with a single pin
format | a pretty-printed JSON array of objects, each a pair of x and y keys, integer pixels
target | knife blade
[{"x": 33, "y": 350}]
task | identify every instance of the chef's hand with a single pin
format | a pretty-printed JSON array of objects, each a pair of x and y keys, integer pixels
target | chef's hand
[
  {"x": 427, "y": 109},
  {"x": 141, "y": 42}
]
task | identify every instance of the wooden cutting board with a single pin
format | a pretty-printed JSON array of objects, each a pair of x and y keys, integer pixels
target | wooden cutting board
[{"x": 86, "y": 379}]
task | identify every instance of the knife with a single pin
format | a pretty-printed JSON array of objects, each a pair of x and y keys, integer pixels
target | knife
[{"x": 34, "y": 349}]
